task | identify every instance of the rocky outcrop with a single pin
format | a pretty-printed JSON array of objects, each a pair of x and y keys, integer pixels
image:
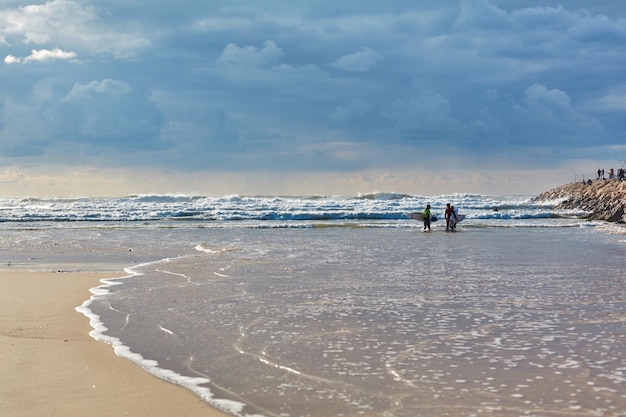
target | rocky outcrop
[{"x": 602, "y": 199}]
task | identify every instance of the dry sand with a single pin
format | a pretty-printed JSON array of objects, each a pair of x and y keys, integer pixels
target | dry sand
[{"x": 50, "y": 366}]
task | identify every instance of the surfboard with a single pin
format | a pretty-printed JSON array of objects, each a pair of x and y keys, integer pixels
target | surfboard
[
  {"x": 420, "y": 217},
  {"x": 457, "y": 219}
]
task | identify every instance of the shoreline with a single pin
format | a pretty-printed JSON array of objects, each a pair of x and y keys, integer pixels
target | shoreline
[{"x": 56, "y": 369}]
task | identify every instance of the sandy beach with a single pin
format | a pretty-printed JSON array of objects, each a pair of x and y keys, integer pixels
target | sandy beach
[{"x": 50, "y": 366}]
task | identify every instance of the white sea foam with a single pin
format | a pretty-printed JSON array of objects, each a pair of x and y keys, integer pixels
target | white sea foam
[
  {"x": 261, "y": 210},
  {"x": 194, "y": 384}
]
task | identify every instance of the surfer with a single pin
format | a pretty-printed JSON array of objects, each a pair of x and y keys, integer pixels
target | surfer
[
  {"x": 448, "y": 215},
  {"x": 454, "y": 219},
  {"x": 427, "y": 218}
]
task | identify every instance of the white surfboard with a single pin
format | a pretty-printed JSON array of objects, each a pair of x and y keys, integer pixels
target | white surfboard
[{"x": 420, "y": 217}]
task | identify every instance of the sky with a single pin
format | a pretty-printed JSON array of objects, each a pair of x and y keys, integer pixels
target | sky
[{"x": 274, "y": 97}]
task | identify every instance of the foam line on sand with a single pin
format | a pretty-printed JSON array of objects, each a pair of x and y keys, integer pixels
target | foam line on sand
[{"x": 50, "y": 366}]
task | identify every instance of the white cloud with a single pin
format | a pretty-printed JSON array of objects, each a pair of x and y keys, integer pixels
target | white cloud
[
  {"x": 68, "y": 24},
  {"x": 10, "y": 59},
  {"x": 551, "y": 113},
  {"x": 41, "y": 55},
  {"x": 11, "y": 175},
  {"x": 251, "y": 55},
  {"x": 539, "y": 99},
  {"x": 106, "y": 86},
  {"x": 361, "y": 61},
  {"x": 481, "y": 13},
  {"x": 41, "y": 23},
  {"x": 614, "y": 101}
]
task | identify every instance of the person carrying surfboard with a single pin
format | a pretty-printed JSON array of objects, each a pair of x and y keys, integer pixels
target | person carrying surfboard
[
  {"x": 454, "y": 219},
  {"x": 427, "y": 218},
  {"x": 448, "y": 215}
]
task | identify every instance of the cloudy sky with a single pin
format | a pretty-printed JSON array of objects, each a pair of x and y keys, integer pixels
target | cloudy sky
[{"x": 214, "y": 97}]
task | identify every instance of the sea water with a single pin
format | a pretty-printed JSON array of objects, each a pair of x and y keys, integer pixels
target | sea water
[{"x": 342, "y": 306}]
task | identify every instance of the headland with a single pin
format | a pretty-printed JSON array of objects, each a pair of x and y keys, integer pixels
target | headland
[{"x": 601, "y": 199}]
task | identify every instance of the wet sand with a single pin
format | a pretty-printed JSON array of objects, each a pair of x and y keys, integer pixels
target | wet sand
[{"x": 50, "y": 366}]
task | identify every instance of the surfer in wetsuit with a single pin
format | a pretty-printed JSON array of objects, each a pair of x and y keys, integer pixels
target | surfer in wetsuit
[
  {"x": 427, "y": 218},
  {"x": 448, "y": 215}
]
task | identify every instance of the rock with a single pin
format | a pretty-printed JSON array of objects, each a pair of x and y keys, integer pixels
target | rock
[{"x": 602, "y": 199}]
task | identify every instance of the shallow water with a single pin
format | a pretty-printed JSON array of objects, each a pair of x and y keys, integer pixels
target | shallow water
[{"x": 386, "y": 322}]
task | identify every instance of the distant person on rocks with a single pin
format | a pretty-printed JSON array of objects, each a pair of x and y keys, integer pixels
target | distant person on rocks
[
  {"x": 620, "y": 174},
  {"x": 599, "y": 173},
  {"x": 611, "y": 174}
]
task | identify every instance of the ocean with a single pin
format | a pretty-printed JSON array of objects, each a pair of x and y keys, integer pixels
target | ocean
[{"x": 341, "y": 306}]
